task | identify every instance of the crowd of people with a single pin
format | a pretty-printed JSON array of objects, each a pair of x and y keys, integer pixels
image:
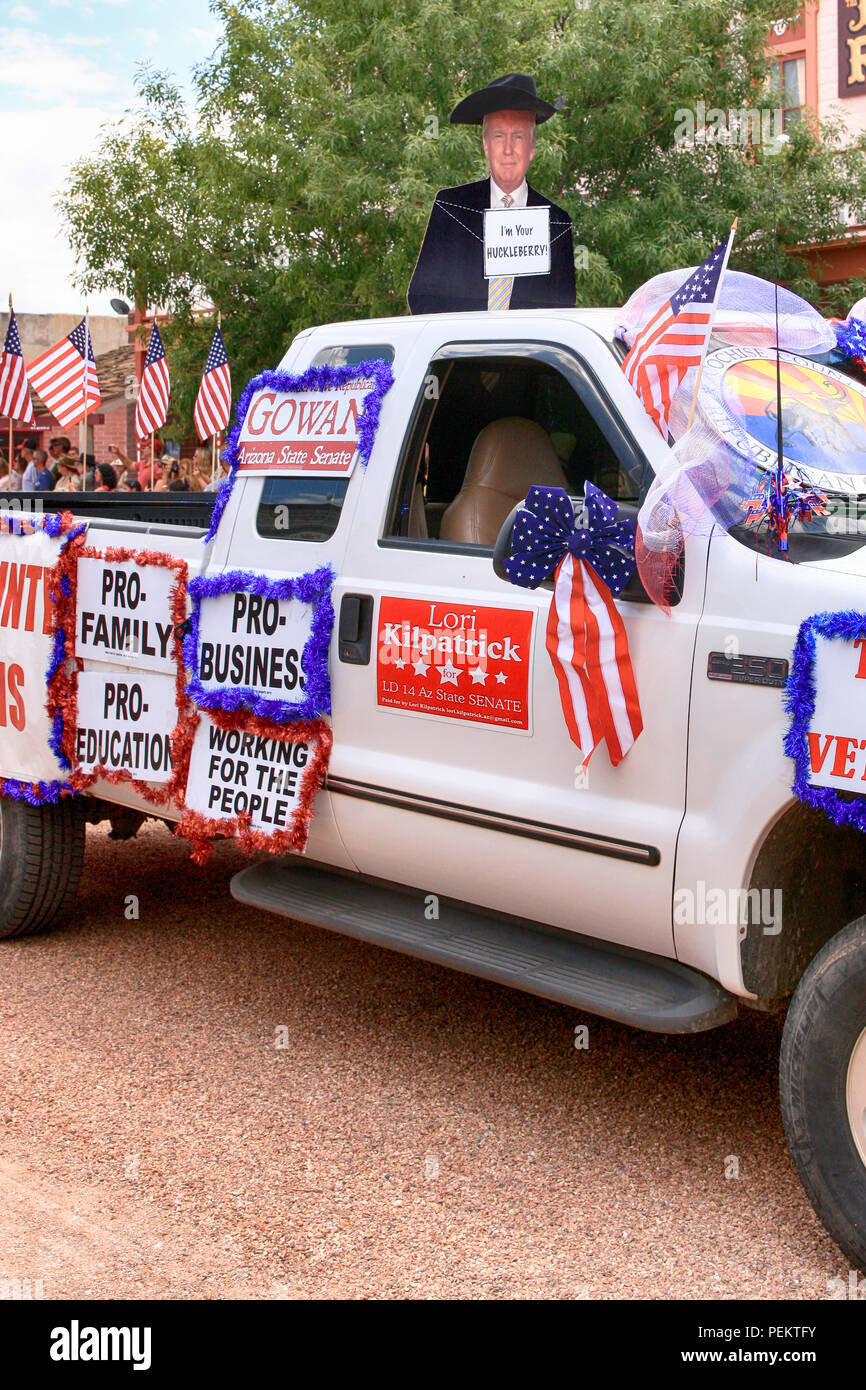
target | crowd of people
[{"x": 63, "y": 469}]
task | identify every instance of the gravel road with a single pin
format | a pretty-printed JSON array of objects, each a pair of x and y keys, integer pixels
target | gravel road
[{"x": 208, "y": 1102}]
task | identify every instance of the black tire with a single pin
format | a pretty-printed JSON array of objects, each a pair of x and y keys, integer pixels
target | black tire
[
  {"x": 825, "y": 1021},
  {"x": 41, "y": 853}
]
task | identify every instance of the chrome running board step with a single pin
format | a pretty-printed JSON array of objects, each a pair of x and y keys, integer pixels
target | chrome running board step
[{"x": 628, "y": 986}]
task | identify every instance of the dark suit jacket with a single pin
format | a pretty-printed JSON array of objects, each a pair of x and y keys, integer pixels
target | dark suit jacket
[{"x": 449, "y": 273}]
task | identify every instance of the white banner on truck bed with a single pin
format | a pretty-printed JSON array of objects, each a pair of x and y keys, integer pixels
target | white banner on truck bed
[
  {"x": 124, "y": 614},
  {"x": 232, "y": 772},
  {"x": 25, "y": 651},
  {"x": 124, "y": 722}
]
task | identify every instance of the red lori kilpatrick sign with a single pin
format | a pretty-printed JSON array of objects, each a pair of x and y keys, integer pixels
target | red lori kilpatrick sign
[
  {"x": 455, "y": 660},
  {"x": 303, "y": 432}
]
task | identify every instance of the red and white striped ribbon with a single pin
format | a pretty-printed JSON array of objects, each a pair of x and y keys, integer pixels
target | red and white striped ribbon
[{"x": 588, "y": 645}]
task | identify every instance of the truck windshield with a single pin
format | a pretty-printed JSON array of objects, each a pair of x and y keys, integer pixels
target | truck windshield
[
  {"x": 823, "y": 433},
  {"x": 839, "y": 531}
]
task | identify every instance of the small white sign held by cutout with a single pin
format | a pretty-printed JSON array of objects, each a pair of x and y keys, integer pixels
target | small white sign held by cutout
[{"x": 516, "y": 241}]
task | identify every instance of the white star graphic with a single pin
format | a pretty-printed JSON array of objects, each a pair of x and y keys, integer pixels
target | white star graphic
[
  {"x": 478, "y": 676},
  {"x": 420, "y": 667},
  {"x": 501, "y": 678},
  {"x": 399, "y": 663},
  {"x": 448, "y": 673}
]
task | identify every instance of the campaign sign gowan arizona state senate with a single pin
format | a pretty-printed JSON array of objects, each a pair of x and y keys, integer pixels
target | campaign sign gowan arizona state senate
[{"x": 303, "y": 432}]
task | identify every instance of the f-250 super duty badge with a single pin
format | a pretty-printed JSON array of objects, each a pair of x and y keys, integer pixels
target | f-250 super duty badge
[{"x": 455, "y": 660}]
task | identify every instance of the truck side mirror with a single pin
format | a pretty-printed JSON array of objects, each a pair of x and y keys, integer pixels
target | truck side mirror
[
  {"x": 503, "y": 544},
  {"x": 634, "y": 590}
]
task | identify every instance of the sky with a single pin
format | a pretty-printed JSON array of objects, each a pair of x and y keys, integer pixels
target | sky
[{"x": 65, "y": 69}]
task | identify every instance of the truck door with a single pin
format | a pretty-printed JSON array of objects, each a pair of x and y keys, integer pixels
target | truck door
[
  {"x": 452, "y": 767},
  {"x": 281, "y": 525}
]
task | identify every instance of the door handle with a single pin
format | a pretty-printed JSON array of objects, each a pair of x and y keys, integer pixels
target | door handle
[{"x": 356, "y": 629}]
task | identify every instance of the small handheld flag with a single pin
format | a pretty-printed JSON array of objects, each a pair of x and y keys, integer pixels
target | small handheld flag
[
  {"x": 65, "y": 377},
  {"x": 152, "y": 405},
  {"x": 676, "y": 337},
  {"x": 14, "y": 389},
  {"x": 213, "y": 403}
]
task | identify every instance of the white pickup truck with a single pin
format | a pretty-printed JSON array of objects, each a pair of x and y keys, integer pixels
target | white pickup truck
[{"x": 456, "y": 823}]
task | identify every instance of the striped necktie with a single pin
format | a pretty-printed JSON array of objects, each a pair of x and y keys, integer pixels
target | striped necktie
[{"x": 499, "y": 287}]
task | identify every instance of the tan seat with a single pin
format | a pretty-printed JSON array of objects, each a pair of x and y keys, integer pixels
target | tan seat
[
  {"x": 507, "y": 458},
  {"x": 417, "y": 527}
]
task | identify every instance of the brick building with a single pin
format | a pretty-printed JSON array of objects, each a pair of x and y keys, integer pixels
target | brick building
[{"x": 821, "y": 58}]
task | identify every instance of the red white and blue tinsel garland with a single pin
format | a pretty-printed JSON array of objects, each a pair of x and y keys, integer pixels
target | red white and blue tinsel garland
[
  {"x": 314, "y": 588},
  {"x": 847, "y": 626},
  {"x": 63, "y": 674},
  {"x": 313, "y": 379},
  {"x": 55, "y": 524},
  {"x": 201, "y": 830}
]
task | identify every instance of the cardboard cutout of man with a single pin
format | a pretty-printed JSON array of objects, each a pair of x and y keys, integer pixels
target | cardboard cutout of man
[{"x": 449, "y": 272}]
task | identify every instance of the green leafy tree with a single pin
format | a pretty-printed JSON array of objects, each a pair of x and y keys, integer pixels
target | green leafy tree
[{"x": 298, "y": 190}]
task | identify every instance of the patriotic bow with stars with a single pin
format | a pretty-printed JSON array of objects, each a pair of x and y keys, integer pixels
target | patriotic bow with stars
[{"x": 586, "y": 637}]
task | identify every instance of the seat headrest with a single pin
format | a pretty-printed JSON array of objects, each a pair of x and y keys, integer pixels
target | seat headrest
[{"x": 510, "y": 455}]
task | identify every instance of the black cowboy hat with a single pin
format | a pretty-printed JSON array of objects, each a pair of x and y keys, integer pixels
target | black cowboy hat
[{"x": 514, "y": 92}]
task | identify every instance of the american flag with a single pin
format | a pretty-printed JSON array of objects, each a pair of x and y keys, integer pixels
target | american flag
[
  {"x": 214, "y": 399},
  {"x": 152, "y": 405},
  {"x": 676, "y": 337},
  {"x": 14, "y": 390},
  {"x": 65, "y": 377}
]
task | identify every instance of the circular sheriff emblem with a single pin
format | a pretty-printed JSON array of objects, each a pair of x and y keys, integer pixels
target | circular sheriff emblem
[{"x": 823, "y": 414}]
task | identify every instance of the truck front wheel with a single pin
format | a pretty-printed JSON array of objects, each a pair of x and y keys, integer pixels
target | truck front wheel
[
  {"x": 41, "y": 853},
  {"x": 822, "y": 1077}
]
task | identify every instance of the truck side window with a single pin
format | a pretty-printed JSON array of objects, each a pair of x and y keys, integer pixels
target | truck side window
[
  {"x": 300, "y": 509},
  {"x": 486, "y": 429},
  {"x": 308, "y": 509},
  {"x": 342, "y": 356}
]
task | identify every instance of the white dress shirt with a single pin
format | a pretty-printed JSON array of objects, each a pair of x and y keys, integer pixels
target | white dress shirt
[{"x": 518, "y": 197}]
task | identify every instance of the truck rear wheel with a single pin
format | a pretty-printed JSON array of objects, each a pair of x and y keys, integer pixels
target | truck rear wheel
[
  {"x": 41, "y": 853},
  {"x": 822, "y": 1076}
]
